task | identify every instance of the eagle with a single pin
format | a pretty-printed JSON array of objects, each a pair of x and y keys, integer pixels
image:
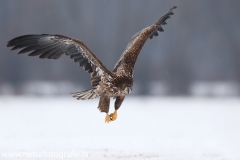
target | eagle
[{"x": 106, "y": 84}]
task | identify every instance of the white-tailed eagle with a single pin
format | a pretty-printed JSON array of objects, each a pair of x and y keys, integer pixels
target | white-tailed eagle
[{"x": 105, "y": 83}]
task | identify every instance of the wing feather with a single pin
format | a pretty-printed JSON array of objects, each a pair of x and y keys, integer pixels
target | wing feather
[
  {"x": 127, "y": 60},
  {"x": 54, "y": 46}
]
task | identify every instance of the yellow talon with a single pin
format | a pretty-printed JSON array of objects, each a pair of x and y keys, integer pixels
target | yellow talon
[
  {"x": 113, "y": 116},
  {"x": 107, "y": 118}
]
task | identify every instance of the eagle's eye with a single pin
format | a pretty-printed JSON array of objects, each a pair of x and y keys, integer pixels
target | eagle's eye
[{"x": 127, "y": 90}]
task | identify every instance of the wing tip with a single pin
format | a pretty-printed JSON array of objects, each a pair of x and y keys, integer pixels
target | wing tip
[
  {"x": 174, "y": 7},
  {"x": 162, "y": 21}
]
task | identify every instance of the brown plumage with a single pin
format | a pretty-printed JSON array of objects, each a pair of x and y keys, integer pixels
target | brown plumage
[{"x": 106, "y": 84}]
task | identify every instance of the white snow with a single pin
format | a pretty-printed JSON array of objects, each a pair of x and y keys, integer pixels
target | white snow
[{"x": 146, "y": 128}]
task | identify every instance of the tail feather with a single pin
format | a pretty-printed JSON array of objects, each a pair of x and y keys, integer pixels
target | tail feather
[{"x": 88, "y": 94}]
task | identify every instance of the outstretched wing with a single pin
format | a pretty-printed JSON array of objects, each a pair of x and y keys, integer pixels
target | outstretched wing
[
  {"x": 127, "y": 60},
  {"x": 54, "y": 46}
]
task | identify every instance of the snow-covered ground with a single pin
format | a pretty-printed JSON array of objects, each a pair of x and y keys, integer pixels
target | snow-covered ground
[{"x": 146, "y": 128}]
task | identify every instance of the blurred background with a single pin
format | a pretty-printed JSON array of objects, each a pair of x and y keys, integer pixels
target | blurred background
[{"x": 197, "y": 55}]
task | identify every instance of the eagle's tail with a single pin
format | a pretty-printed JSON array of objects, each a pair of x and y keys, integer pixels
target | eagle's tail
[{"x": 88, "y": 94}]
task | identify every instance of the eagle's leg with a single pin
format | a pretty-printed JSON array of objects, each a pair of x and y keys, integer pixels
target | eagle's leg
[
  {"x": 118, "y": 103},
  {"x": 103, "y": 106}
]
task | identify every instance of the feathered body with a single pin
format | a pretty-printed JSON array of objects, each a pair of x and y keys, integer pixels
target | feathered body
[{"x": 105, "y": 83}]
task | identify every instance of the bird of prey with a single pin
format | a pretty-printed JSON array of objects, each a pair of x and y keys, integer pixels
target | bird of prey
[{"x": 105, "y": 83}]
